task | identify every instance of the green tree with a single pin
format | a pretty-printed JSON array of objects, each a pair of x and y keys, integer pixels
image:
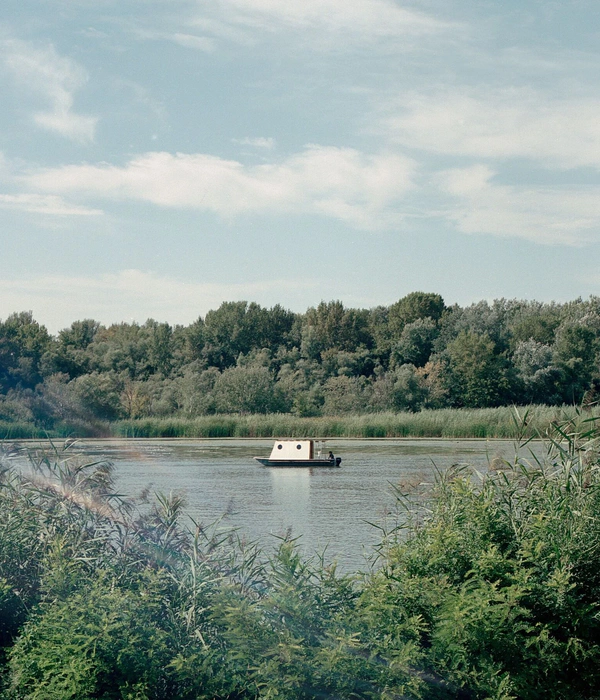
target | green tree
[
  {"x": 100, "y": 393},
  {"x": 412, "y": 307},
  {"x": 238, "y": 327},
  {"x": 576, "y": 353},
  {"x": 69, "y": 355},
  {"x": 331, "y": 326},
  {"x": 160, "y": 347},
  {"x": 476, "y": 375},
  {"x": 246, "y": 390},
  {"x": 542, "y": 381},
  {"x": 344, "y": 394},
  {"x": 23, "y": 342},
  {"x": 415, "y": 343},
  {"x": 534, "y": 321},
  {"x": 122, "y": 347}
]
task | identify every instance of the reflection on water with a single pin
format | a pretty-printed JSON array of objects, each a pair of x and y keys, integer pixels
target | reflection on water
[
  {"x": 330, "y": 509},
  {"x": 290, "y": 489}
]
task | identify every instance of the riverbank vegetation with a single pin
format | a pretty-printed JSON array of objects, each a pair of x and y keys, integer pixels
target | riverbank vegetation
[
  {"x": 488, "y": 423},
  {"x": 487, "y": 587},
  {"x": 417, "y": 354}
]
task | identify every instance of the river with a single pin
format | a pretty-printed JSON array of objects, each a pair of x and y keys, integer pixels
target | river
[{"x": 331, "y": 510}]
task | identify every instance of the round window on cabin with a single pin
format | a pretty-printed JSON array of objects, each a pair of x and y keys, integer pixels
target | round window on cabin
[
  {"x": 280, "y": 447},
  {"x": 298, "y": 447}
]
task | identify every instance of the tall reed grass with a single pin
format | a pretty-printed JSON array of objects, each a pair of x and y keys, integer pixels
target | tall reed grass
[
  {"x": 20, "y": 431},
  {"x": 443, "y": 423}
]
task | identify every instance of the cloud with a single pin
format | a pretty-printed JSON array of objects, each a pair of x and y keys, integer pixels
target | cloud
[
  {"x": 355, "y": 20},
  {"x": 128, "y": 295},
  {"x": 44, "y": 204},
  {"x": 339, "y": 182},
  {"x": 191, "y": 41},
  {"x": 259, "y": 142},
  {"x": 542, "y": 215},
  {"x": 55, "y": 79},
  {"x": 501, "y": 124}
]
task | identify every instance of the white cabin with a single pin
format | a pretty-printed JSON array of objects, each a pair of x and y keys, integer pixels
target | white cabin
[{"x": 293, "y": 449}]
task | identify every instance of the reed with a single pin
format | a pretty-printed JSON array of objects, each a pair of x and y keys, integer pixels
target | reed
[
  {"x": 502, "y": 422},
  {"x": 20, "y": 431}
]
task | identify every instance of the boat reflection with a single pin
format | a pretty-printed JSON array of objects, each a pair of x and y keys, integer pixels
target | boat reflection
[{"x": 290, "y": 490}]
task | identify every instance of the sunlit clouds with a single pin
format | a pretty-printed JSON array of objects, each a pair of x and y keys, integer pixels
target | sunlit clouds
[
  {"x": 355, "y": 20},
  {"x": 557, "y": 131},
  {"x": 350, "y": 149},
  {"x": 44, "y": 204},
  {"x": 342, "y": 183},
  {"x": 53, "y": 79},
  {"x": 545, "y": 215}
]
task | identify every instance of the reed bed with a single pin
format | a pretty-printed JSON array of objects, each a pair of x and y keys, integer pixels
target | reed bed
[
  {"x": 20, "y": 431},
  {"x": 502, "y": 422}
]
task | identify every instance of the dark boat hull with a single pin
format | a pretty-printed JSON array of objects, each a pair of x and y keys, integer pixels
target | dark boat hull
[{"x": 266, "y": 462}]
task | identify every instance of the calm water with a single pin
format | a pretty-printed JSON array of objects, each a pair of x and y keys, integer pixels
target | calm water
[{"x": 328, "y": 508}]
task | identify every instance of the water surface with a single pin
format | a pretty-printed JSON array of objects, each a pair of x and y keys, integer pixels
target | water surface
[{"x": 329, "y": 509}]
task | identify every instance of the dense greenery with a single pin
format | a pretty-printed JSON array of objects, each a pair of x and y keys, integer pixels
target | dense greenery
[
  {"x": 488, "y": 587},
  {"x": 416, "y": 354},
  {"x": 440, "y": 423}
]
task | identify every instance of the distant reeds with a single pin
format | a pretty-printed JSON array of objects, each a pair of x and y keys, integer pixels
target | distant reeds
[
  {"x": 20, "y": 431},
  {"x": 443, "y": 423}
]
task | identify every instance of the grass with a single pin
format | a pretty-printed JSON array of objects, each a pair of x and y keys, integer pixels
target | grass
[
  {"x": 443, "y": 423},
  {"x": 20, "y": 431}
]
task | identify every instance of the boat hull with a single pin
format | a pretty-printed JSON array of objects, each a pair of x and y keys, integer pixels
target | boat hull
[{"x": 266, "y": 462}]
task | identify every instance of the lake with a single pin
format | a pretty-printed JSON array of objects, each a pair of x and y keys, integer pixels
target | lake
[{"x": 329, "y": 509}]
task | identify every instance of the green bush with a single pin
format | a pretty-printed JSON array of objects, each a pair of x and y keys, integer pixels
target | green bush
[
  {"x": 502, "y": 572},
  {"x": 488, "y": 588}
]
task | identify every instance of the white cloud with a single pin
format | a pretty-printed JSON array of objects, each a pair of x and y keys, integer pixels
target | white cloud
[
  {"x": 191, "y": 41},
  {"x": 55, "y": 79},
  {"x": 44, "y": 204},
  {"x": 501, "y": 124},
  {"x": 542, "y": 215},
  {"x": 131, "y": 295},
  {"x": 355, "y": 20},
  {"x": 340, "y": 182},
  {"x": 265, "y": 142}
]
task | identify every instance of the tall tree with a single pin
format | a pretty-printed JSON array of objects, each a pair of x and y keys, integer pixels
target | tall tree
[
  {"x": 476, "y": 375},
  {"x": 414, "y": 306},
  {"x": 23, "y": 342}
]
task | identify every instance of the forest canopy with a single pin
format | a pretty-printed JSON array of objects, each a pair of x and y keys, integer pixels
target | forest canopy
[{"x": 241, "y": 358}]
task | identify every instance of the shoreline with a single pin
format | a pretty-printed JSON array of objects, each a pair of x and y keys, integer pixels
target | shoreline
[{"x": 501, "y": 423}]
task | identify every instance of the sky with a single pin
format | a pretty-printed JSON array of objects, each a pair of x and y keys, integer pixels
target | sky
[{"x": 159, "y": 157}]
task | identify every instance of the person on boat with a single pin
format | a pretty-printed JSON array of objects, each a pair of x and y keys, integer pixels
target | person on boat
[{"x": 331, "y": 456}]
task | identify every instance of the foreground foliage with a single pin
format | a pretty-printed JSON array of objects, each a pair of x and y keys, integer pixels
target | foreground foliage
[{"x": 487, "y": 587}]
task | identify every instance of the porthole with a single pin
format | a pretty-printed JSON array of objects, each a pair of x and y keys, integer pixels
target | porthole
[
  {"x": 280, "y": 447},
  {"x": 298, "y": 447}
]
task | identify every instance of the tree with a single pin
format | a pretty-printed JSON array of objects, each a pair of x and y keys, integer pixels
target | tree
[
  {"x": 331, "y": 326},
  {"x": 414, "y": 306},
  {"x": 476, "y": 375},
  {"x": 70, "y": 355},
  {"x": 160, "y": 346},
  {"x": 344, "y": 395},
  {"x": 122, "y": 347},
  {"x": 415, "y": 343},
  {"x": 541, "y": 379},
  {"x": 576, "y": 353},
  {"x": 23, "y": 342},
  {"x": 237, "y": 327},
  {"x": 246, "y": 390}
]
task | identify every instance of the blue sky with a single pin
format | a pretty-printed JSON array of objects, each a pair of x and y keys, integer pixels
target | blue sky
[{"x": 158, "y": 157}]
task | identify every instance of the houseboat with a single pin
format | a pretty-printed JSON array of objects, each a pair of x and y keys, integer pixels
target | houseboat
[{"x": 299, "y": 453}]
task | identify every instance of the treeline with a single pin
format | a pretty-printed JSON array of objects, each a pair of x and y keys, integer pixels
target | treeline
[
  {"x": 241, "y": 358},
  {"x": 488, "y": 589}
]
